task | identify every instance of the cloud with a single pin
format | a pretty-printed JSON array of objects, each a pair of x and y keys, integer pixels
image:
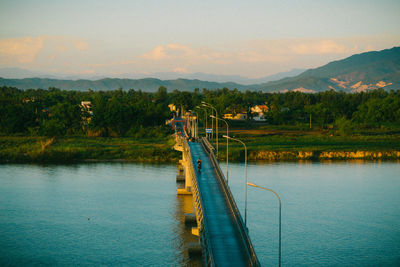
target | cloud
[
  {"x": 171, "y": 51},
  {"x": 316, "y": 47},
  {"x": 180, "y": 70},
  {"x": 81, "y": 45},
  {"x": 257, "y": 51},
  {"x": 27, "y": 50},
  {"x": 158, "y": 53},
  {"x": 251, "y": 58},
  {"x": 180, "y": 52},
  {"x": 21, "y": 50}
]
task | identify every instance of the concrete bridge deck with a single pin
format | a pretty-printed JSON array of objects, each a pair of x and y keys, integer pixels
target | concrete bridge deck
[{"x": 223, "y": 236}]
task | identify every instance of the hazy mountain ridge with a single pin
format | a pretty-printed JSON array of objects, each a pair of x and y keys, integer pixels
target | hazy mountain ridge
[
  {"x": 361, "y": 72},
  {"x": 148, "y": 84},
  {"x": 18, "y": 73}
]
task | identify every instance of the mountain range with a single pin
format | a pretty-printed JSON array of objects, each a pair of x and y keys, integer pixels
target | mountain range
[
  {"x": 360, "y": 72},
  {"x": 18, "y": 73}
]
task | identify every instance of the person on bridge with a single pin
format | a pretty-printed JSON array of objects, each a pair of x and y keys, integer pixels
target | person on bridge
[{"x": 199, "y": 164}]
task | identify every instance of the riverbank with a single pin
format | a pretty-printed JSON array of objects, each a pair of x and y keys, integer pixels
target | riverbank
[
  {"x": 261, "y": 146},
  {"x": 18, "y": 149},
  {"x": 282, "y": 145}
]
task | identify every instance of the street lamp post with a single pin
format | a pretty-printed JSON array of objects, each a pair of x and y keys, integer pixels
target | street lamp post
[
  {"x": 245, "y": 176},
  {"x": 227, "y": 144},
  {"x": 280, "y": 209},
  {"x": 196, "y": 127},
  {"x": 216, "y": 121},
  {"x": 205, "y": 118}
]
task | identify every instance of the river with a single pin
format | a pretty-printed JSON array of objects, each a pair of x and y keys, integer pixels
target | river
[{"x": 333, "y": 214}]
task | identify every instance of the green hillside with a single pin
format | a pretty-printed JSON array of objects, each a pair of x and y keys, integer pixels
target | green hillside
[
  {"x": 148, "y": 85},
  {"x": 357, "y": 73},
  {"x": 373, "y": 69}
]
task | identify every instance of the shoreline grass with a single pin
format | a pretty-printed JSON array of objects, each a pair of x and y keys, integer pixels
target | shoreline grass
[
  {"x": 21, "y": 149},
  {"x": 262, "y": 145}
]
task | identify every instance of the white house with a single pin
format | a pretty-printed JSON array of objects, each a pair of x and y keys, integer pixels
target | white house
[{"x": 258, "y": 112}]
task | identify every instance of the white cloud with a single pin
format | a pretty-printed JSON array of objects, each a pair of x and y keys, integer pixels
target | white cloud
[
  {"x": 253, "y": 58},
  {"x": 180, "y": 70},
  {"x": 316, "y": 47},
  {"x": 157, "y": 53},
  {"x": 81, "y": 45},
  {"x": 20, "y": 50},
  {"x": 27, "y": 50}
]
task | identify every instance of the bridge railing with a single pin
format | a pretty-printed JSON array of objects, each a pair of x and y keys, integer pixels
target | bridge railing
[
  {"x": 232, "y": 205},
  {"x": 201, "y": 220}
]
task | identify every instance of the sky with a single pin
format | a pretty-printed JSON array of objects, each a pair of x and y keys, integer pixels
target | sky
[{"x": 251, "y": 38}]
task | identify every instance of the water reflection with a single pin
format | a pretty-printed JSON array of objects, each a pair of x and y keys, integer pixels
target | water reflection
[
  {"x": 334, "y": 213},
  {"x": 184, "y": 204}
]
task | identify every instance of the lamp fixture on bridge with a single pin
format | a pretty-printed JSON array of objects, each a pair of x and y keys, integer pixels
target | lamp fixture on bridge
[
  {"x": 227, "y": 144},
  {"x": 205, "y": 104},
  {"x": 205, "y": 118},
  {"x": 245, "y": 175},
  {"x": 279, "y": 199}
]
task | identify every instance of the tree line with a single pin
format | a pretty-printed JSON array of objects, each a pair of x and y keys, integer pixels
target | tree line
[{"x": 54, "y": 112}]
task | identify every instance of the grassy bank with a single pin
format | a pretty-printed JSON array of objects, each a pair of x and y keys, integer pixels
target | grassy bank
[
  {"x": 262, "y": 144},
  {"x": 290, "y": 144},
  {"x": 78, "y": 149}
]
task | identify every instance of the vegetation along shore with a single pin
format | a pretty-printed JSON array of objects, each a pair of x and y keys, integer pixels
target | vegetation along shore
[{"x": 55, "y": 125}]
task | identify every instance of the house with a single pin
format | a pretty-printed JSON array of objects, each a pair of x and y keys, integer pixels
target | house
[
  {"x": 258, "y": 112},
  {"x": 259, "y": 109},
  {"x": 236, "y": 116},
  {"x": 240, "y": 116},
  {"x": 27, "y": 100},
  {"x": 228, "y": 116}
]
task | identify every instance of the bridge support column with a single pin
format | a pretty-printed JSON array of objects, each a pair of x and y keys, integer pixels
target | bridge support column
[
  {"x": 180, "y": 177},
  {"x": 194, "y": 248},
  {"x": 190, "y": 218},
  {"x": 188, "y": 179}
]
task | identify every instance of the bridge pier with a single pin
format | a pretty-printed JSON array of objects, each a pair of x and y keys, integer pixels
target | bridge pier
[
  {"x": 194, "y": 248},
  {"x": 186, "y": 173},
  {"x": 190, "y": 218},
  {"x": 180, "y": 177}
]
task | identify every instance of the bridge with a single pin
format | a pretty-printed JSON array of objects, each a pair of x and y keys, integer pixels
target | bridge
[{"x": 222, "y": 233}]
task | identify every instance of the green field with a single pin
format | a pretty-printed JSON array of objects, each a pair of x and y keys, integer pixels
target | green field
[
  {"x": 263, "y": 143},
  {"x": 77, "y": 149},
  {"x": 290, "y": 144}
]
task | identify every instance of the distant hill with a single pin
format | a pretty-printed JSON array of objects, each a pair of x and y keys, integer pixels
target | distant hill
[
  {"x": 18, "y": 73},
  {"x": 148, "y": 85},
  {"x": 361, "y": 72},
  {"x": 216, "y": 78}
]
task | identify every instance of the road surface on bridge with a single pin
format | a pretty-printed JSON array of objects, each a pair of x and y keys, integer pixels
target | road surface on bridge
[{"x": 223, "y": 235}]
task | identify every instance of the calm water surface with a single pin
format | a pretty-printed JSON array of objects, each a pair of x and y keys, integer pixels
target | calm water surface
[
  {"x": 339, "y": 214},
  {"x": 333, "y": 214}
]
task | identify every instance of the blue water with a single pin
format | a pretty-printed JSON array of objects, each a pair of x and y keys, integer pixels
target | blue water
[
  {"x": 333, "y": 214},
  {"x": 97, "y": 214}
]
